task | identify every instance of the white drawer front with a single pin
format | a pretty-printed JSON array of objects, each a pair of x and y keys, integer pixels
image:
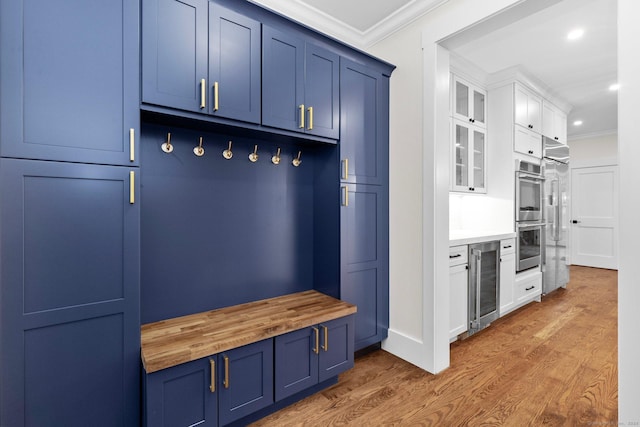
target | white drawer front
[
  {"x": 458, "y": 255},
  {"x": 528, "y": 288},
  {"x": 507, "y": 246}
]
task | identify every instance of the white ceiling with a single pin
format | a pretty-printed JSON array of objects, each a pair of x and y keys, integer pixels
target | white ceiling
[{"x": 578, "y": 72}]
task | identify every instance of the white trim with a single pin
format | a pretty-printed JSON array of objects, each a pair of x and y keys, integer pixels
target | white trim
[{"x": 608, "y": 132}]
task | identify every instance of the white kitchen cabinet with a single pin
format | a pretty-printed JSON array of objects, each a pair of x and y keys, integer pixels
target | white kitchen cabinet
[
  {"x": 469, "y": 102},
  {"x": 554, "y": 122},
  {"x": 458, "y": 291},
  {"x": 527, "y": 142},
  {"x": 528, "y": 287},
  {"x": 469, "y": 157},
  {"x": 528, "y": 109},
  {"x": 507, "y": 275}
]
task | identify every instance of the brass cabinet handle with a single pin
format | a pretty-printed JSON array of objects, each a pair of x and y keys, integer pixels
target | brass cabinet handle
[
  {"x": 203, "y": 93},
  {"x": 226, "y": 372},
  {"x": 212, "y": 386},
  {"x": 132, "y": 187},
  {"x": 345, "y": 169},
  {"x": 301, "y": 107},
  {"x": 345, "y": 196},
  {"x": 132, "y": 144},
  {"x": 325, "y": 330},
  {"x": 316, "y": 348},
  {"x": 310, "y": 110},
  {"x": 215, "y": 96}
]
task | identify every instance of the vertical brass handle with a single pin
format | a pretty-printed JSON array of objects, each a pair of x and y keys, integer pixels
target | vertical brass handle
[
  {"x": 215, "y": 96},
  {"x": 345, "y": 196},
  {"x": 345, "y": 169},
  {"x": 132, "y": 187},
  {"x": 132, "y": 144},
  {"x": 212, "y": 386},
  {"x": 310, "y": 110},
  {"x": 203, "y": 93},
  {"x": 316, "y": 348},
  {"x": 226, "y": 372},
  {"x": 325, "y": 331},
  {"x": 301, "y": 107}
]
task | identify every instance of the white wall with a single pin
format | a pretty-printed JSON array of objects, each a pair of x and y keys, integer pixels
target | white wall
[
  {"x": 597, "y": 150},
  {"x": 629, "y": 153}
]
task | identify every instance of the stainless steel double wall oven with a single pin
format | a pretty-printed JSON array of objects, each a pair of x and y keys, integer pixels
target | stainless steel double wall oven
[{"x": 529, "y": 215}]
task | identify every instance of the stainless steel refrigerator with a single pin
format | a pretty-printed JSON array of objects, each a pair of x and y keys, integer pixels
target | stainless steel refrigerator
[{"x": 555, "y": 245}]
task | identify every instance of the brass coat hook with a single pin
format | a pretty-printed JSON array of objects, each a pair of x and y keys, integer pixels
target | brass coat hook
[
  {"x": 296, "y": 161},
  {"x": 253, "y": 157},
  {"x": 166, "y": 146},
  {"x": 276, "y": 159},
  {"x": 227, "y": 154},
  {"x": 199, "y": 150}
]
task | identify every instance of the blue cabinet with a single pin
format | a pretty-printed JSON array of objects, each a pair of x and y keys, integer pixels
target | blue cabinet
[
  {"x": 69, "y": 277},
  {"x": 215, "y": 390},
  {"x": 70, "y": 82},
  {"x": 308, "y": 356},
  {"x": 185, "y": 395},
  {"x": 202, "y": 57},
  {"x": 364, "y": 276},
  {"x": 300, "y": 85},
  {"x": 364, "y": 124}
]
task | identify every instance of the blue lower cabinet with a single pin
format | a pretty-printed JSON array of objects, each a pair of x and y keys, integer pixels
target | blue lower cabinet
[
  {"x": 211, "y": 391},
  {"x": 312, "y": 355},
  {"x": 245, "y": 378},
  {"x": 184, "y": 395}
]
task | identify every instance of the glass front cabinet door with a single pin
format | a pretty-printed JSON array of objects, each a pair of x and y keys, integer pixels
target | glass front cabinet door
[
  {"x": 469, "y": 102},
  {"x": 469, "y": 154}
]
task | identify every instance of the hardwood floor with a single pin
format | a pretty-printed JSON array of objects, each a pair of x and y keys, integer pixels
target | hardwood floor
[{"x": 552, "y": 363}]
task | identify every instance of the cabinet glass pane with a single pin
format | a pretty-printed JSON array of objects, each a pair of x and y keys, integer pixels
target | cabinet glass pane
[
  {"x": 462, "y": 155},
  {"x": 478, "y": 106},
  {"x": 462, "y": 99},
  {"x": 478, "y": 159}
]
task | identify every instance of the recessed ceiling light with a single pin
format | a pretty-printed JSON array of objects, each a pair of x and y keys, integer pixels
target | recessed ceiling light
[
  {"x": 577, "y": 123},
  {"x": 575, "y": 34},
  {"x": 614, "y": 87}
]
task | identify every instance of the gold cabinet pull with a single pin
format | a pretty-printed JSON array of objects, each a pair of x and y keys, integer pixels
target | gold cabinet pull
[
  {"x": 203, "y": 93},
  {"x": 345, "y": 196},
  {"x": 226, "y": 372},
  {"x": 301, "y": 107},
  {"x": 325, "y": 345},
  {"x": 212, "y": 386},
  {"x": 132, "y": 144},
  {"x": 345, "y": 169},
  {"x": 215, "y": 96},
  {"x": 310, "y": 110},
  {"x": 316, "y": 348},
  {"x": 132, "y": 187}
]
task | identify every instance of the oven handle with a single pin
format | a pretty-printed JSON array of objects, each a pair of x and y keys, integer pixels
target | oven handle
[
  {"x": 530, "y": 226},
  {"x": 530, "y": 176}
]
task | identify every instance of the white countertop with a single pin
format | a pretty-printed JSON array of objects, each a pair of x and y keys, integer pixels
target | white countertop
[{"x": 467, "y": 237}]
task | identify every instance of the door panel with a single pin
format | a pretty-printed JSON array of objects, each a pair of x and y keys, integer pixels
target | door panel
[
  {"x": 336, "y": 347},
  {"x": 595, "y": 208},
  {"x": 322, "y": 91},
  {"x": 296, "y": 363}
]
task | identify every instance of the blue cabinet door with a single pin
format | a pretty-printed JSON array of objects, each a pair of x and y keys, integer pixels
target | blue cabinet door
[
  {"x": 174, "y": 53},
  {"x": 69, "y": 312},
  {"x": 364, "y": 124},
  {"x": 70, "y": 83},
  {"x": 300, "y": 85},
  {"x": 296, "y": 357},
  {"x": 245, "y": 376},
  {"x": 182, "y": 396},
  {"x": 282, "y": 80},
  {"x": 336, "y": 347},
  {"x": 364, "y": 253},
  {"x": 234, "y": 65}
]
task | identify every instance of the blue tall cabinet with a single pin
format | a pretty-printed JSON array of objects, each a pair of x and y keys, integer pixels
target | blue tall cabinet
[{"x": 69, "y": 213}]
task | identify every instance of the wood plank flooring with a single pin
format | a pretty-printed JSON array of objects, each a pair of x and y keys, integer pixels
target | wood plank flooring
[{"x": 552, "y": 363}]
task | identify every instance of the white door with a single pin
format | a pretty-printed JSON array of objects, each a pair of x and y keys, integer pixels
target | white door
[{"x": 594, "y": 216}]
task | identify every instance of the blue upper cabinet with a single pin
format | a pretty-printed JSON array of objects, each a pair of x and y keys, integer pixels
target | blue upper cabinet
[
  {"x": 201, "y": 57},
  {"x": 364, "y": 124},
  {"x": 300, "y": 85},
  {"x": 70, "y": 82}
]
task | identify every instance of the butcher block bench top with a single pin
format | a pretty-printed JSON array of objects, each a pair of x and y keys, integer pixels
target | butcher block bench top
[{"x": 179, "y": 340}]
